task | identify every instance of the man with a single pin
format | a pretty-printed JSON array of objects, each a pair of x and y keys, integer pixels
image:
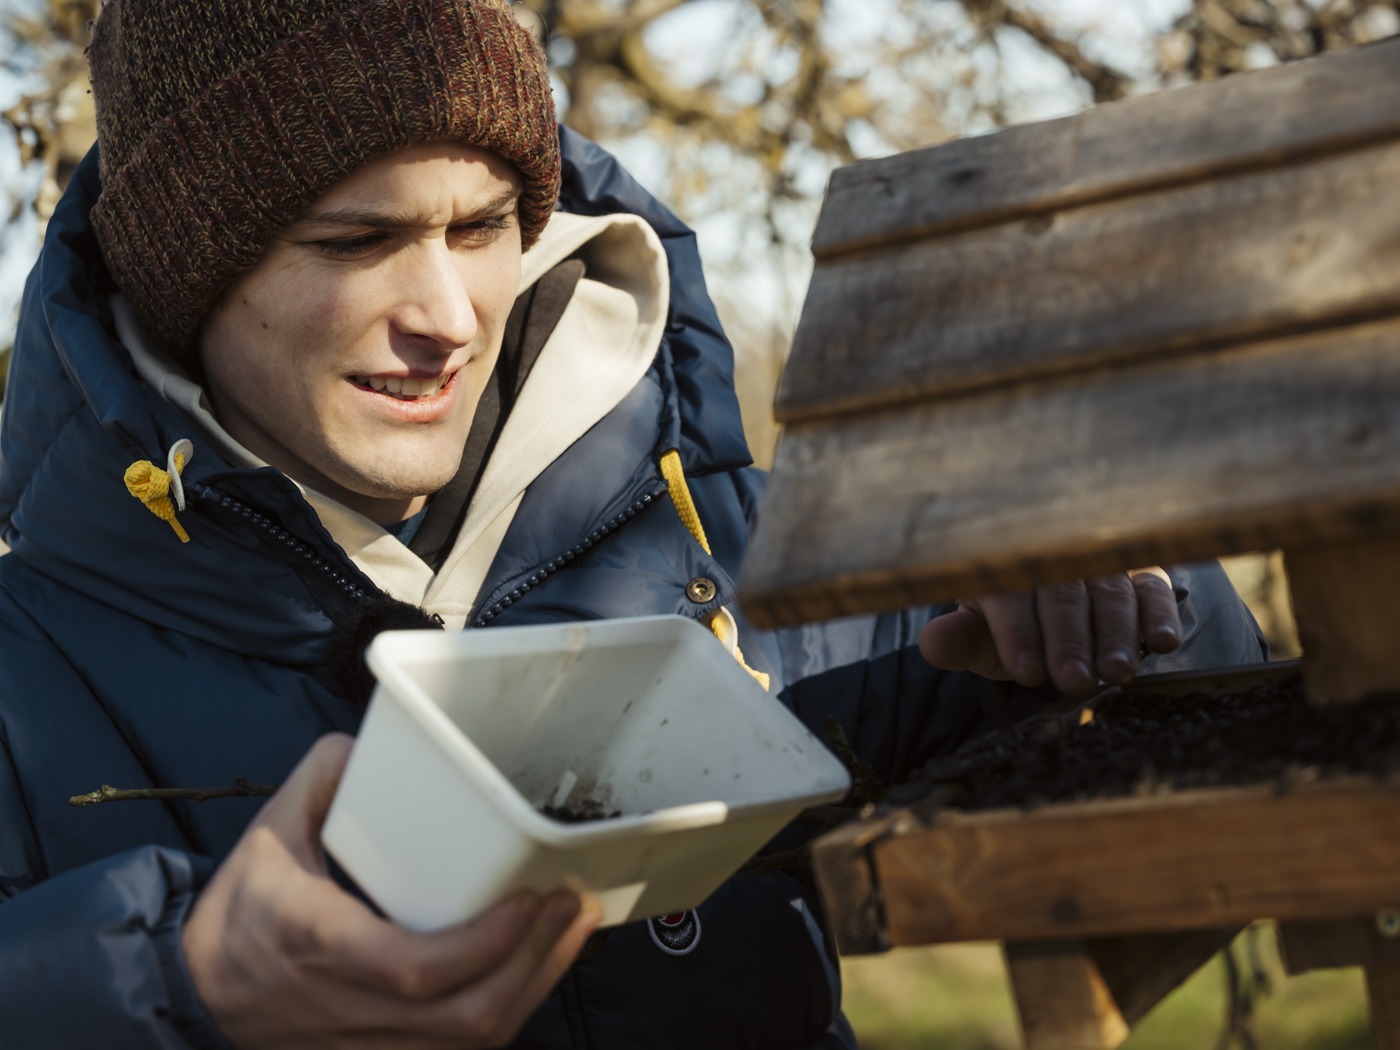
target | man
[{"x": 315, "y": 356}]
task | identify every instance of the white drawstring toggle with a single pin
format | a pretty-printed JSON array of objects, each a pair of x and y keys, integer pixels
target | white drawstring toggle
[{"x": 184, "y": 448}]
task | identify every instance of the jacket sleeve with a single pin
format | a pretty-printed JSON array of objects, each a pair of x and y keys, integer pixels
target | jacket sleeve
[{"x": 92, "y": 957}]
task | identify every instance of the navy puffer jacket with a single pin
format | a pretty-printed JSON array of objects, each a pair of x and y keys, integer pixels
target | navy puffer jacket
[{"x": 130, "y": 659}]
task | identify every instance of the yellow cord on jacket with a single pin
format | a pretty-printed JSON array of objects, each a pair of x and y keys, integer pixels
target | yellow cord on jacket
[
  {"x": 721, "y": 623},
  {"x": 674, "y": 474},
  {"x": 152, "y": 486}
]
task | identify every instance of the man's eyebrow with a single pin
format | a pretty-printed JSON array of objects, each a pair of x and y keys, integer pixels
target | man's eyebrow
[{"x": 381, "y": 219}]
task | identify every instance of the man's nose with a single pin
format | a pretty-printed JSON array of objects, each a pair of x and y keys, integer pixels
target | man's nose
[{"x": 434, "y": 304}]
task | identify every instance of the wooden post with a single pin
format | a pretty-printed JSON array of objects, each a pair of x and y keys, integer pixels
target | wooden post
[
  {"x": 1383, "y": 994},
  {"x": 1061, "y": 998},
  {"x": 1346, "y": 600},
  {"x": 1087, "y": 994}
]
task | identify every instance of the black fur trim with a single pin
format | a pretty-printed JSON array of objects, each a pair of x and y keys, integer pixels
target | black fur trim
[{"x": 353, "y": 633}]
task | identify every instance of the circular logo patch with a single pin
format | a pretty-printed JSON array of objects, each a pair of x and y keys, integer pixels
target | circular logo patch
[{"x": 677, "y": 933}]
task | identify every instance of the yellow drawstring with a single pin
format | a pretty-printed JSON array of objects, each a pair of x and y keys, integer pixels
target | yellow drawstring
[
  {"x": 674, "y": 474},
  {"x": 153, "y": 486},
  {"x": 721, "y": 622}
]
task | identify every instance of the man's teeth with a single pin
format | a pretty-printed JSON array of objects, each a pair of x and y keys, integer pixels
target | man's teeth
[{"x": 406, "y": 388}]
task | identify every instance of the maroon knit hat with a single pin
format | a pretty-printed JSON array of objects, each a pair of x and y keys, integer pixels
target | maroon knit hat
[{"x": 220, "y": 121}]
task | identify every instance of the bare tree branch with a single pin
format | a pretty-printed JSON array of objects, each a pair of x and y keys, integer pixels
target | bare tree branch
[{"x": 106, "y": 793}]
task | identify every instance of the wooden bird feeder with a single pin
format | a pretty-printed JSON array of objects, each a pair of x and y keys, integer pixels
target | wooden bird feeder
[{"x": 1162, "y": 330}]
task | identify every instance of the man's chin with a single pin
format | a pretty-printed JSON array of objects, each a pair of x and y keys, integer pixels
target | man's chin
[
  {"x": 413, "y": 479},
  {"x": 385, "y": 502}
]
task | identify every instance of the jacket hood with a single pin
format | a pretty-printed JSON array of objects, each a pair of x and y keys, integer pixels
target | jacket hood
[{"x": 78, "y": 414}]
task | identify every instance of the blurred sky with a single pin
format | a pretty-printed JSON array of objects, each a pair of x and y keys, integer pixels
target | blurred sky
[{"x": 1118, "y": 31}]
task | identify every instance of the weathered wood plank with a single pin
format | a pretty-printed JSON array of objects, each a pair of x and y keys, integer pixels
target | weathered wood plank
[
  {"x": 1281, "y": 444},
  {"x": 1255, "y": 119},
  {"x": 1184, "y": 860},
  {"x": 1232, "y": 260},
  {"x": 1062, "y": 999},
  {"x": 845, "y": 876},
  {"x": 1346, "y": 600}
]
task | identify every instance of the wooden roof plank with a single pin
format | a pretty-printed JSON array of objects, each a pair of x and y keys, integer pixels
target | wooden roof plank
[
  {"x": 1176, "y": 272},
  {"x": 1255, "y": 119},
  {"x": 1279, "y": 444}
]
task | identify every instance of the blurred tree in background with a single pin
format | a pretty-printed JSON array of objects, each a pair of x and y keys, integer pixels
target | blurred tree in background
[
  {"x": 735, "y": 111},
  {"x": 52, "y": 120}
]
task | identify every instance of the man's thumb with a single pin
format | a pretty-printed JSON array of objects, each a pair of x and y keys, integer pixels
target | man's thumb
[
  {"x": 959, "y": 641},
  {"x": 300, "y": 806}
]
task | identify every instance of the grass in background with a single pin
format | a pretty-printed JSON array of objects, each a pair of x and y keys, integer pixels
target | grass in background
[{"x": 956, "y": 997}]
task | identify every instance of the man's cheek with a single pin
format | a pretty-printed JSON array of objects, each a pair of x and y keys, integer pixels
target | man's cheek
[{"x": 321, "y": 321}]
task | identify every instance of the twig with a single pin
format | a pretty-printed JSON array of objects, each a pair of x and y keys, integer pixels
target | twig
[{"x": 239, "y": 789}]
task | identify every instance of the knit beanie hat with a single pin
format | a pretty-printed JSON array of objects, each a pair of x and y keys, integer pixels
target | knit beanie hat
[{"x": 220, "y": 121}]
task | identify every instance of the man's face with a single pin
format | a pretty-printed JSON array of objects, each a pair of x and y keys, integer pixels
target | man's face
[{"x": 352, "y": 357}]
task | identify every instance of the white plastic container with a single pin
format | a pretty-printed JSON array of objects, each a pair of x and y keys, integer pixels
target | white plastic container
[{"x": 469, "y": 733}]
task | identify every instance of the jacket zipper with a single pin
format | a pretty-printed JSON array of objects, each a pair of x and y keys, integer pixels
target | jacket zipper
[
  {"x": 552, "y": 566},
  {"x": 279, "y": 535},
  {"x": 304, "y": 551}
]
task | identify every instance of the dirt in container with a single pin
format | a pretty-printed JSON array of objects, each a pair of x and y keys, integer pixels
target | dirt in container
[
  {"x": 1136, "y": 744},
  {"x": 579, "y": 811}
]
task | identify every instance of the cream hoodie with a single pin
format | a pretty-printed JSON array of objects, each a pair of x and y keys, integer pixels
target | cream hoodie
[{"x": 602, "y": 347}]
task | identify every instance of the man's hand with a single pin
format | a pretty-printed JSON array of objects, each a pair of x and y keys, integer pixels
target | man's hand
[
  {"x": 1075, "y": 634},
  {"x": 282, "y": 957}
]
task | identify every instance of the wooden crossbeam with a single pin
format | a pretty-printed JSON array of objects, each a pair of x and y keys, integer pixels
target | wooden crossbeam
[
  {"x": 1183, "y": 860},
  {"x": 1327, "y": 944}
]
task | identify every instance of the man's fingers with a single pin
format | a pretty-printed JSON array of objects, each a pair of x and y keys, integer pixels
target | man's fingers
[
  {"x": 471, "y": 985},
  {"x": 493, "y": 1010},
  {"x": 1117, "y": 640},
  {"x": 1016, "y": 633},
  {"x": 1078, "y": 633},
  {"x": 422, "y": 966},
  {"x": 1157, "y": 612},
  {"x": 1065, "y": 625},
  {"x": 996, "y": 637},
  {"x": 560, "y": 957}
]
